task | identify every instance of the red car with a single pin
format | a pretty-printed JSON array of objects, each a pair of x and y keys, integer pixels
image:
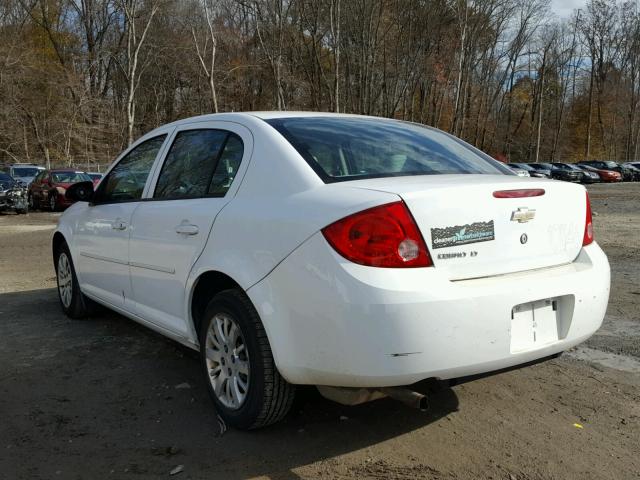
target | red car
[
  {"x": 49, "y": 187},
  {"x": 605, "y": 175}
]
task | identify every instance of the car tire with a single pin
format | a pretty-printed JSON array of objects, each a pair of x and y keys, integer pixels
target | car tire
[
  {"x": 73, "y": 302},
  {"x": 241, "y": 375},
  {"x": 30, "y": 202},
  {"x": 53, "y": 202}
]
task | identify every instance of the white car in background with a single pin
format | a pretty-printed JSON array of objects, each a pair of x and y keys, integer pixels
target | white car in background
[
  {"x": 354, "y": 253},
  {"x": 25, "y": 172}
]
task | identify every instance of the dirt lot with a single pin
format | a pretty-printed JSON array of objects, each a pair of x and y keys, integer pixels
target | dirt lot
[{"x": 106, "y": 398}]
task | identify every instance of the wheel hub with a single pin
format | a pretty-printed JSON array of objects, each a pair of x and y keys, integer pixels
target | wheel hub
[
  {"x": 65, "y": 280},
  {"x": 227, "y": 361}
]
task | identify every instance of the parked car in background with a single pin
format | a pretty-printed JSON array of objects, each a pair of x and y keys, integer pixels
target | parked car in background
[
  {"x": 25, "y": 172},
  {"x": 533, "y": 172},
  {"x": 587, "y": 176},
  {"x": 13, "y": 194},
  {"x": 635, "y": 169},
  {"x": 521, "y": 172},
  {"x": 95, "y": 177},
  {"x": 627, "y": 174},
  {"x": 605, "y": 175},
  {"x": 356, "y": 253},
  {"x": 49, "y": 187},
  {"x": 559, "y": 173}
]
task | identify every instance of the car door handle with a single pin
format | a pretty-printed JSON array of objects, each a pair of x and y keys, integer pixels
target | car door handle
[
  {"x": 187, "y": 229},
  {"x": 119, "y": 225}
]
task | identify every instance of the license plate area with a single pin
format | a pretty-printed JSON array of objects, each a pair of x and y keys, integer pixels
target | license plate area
[{"x": 536, "y": 324}]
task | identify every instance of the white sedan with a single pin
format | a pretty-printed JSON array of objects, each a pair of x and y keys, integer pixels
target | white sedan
[{"x": 354, "y": 253}]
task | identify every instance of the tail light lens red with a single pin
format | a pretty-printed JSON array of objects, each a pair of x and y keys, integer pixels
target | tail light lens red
[
  {"x": 523, "y": 193},
  {"x": 588, "y": 226},
  {"x": 384, "y": 236}
]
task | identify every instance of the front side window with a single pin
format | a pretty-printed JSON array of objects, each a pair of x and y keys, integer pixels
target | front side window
[
  {"x": 126, "y": 181},
  {"x": 200, "y": 163},
  {"x": 341, "y": 149}
]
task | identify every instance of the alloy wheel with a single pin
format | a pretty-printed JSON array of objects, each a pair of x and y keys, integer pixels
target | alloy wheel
[
  {"x": 52, "y": 203},
  {"x": 227, "y": 361},
  {"x": 65, "y": 280}
]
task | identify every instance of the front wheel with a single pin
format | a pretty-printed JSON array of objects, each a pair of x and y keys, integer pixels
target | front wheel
[
  {"x": 53, "y": 203},
  {"x": 73, "y": 302},
  {"x": 236, "y": 357}
]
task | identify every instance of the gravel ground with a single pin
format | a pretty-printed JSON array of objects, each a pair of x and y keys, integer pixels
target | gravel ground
[{"x": 106, "y": 398}]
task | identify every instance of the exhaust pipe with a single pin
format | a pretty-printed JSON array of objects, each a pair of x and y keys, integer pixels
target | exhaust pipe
[{"x": 406, "y": 396}]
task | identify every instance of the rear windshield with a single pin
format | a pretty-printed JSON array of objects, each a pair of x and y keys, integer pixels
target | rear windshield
[{"x": 340, "y": 149}]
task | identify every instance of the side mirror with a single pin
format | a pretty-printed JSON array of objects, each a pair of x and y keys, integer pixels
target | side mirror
[{"x": 80, "y": 192}]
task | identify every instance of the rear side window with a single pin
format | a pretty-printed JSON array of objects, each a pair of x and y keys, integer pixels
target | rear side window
[
  {"x": 126, "y": 181},
  {"x": 200, "y": 163},
  {"x": 341, "y": 149}
]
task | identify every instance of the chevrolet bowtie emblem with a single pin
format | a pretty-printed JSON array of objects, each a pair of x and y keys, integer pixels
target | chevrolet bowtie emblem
[{"x": 522, "y": 215}]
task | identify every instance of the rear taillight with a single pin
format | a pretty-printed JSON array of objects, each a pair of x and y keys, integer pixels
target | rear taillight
[
  {"x": 384, "y": 236},
  {"x": 588, "y": 226},
  {"x": 522, "y": 193}
]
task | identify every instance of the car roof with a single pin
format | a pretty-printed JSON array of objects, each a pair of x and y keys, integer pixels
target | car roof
[{"x": 267, "y": 115}]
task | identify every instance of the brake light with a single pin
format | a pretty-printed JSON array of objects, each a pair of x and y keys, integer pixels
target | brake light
[
  {"x": 384, "y": 236},
  {"x": 522, "y": 193},
  {"x": 588, "y": 226}
]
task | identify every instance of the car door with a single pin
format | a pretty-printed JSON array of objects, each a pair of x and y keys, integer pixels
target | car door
[
  {"x": 101, "y": 239},
  {"x": 36, "y": 187},
  {"x": 198, "y": 177}
]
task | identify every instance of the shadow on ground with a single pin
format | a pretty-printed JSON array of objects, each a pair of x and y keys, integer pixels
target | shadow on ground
[{"x": 106, "y": 397}]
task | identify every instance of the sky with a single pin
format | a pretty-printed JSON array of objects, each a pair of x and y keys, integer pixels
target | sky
[{"x": 564, "y": 8}]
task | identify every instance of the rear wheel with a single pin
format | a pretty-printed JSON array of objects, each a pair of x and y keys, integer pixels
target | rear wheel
[
  {"x": 236, "y": 357},
  {"x": 73, "y": 302}
]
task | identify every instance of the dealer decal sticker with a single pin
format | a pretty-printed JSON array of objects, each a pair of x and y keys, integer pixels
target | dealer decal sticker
[{"x": 462, "y": 234}]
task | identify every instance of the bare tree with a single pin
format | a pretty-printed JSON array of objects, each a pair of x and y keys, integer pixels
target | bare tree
[
  {"x": 132, "y": 11},
  {"x": 208, "y": 49}
]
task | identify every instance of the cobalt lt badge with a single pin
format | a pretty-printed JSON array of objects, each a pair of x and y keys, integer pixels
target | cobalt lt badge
[{"x": 523, "y": 238}]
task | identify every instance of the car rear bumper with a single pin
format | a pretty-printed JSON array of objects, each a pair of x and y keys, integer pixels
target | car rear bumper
[{"x": 332, "y": 322}]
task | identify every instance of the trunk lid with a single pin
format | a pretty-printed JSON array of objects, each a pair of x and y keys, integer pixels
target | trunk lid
[{"x": 471, "y": 234}]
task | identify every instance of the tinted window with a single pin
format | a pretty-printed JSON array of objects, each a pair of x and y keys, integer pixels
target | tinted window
[
  {"x": 227, "y": 167},
  {"x": 199, "y": 163},
  {"x": 127, "y": 179},
  {"x": 351, "y": 148}
]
